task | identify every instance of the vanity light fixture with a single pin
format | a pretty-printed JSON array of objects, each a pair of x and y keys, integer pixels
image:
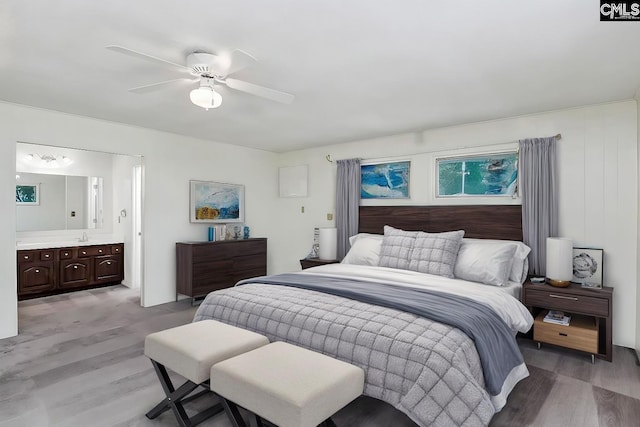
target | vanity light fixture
[{"x": 48, "y": 160}]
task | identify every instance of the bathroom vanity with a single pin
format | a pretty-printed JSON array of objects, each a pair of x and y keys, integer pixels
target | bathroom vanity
[{"x": 54, "y": 270}]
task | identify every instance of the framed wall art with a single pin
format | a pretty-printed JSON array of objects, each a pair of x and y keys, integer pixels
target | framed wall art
[
  {"x": 388, "y": 180},
  {"x": 478, "y": 175},
  {"x": 216, "y": 202},
  {"x": 587, "y": 267},
  {"x": 27, "y": 194}
]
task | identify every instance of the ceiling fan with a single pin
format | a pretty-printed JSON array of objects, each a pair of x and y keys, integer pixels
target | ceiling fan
[{"x": 210, "y": 70}]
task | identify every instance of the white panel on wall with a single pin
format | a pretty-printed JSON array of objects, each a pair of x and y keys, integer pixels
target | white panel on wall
[{"x": 293, "y": 181}]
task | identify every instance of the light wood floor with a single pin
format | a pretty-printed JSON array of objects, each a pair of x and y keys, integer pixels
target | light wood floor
[{"x": 78, "y": 361}]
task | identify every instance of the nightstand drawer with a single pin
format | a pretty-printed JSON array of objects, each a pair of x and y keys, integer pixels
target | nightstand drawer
[
  {"x": 580, "y": 334},
  {"x": 568, "y": 302}
]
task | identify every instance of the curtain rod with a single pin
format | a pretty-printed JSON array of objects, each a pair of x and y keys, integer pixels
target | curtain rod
[{"x": 330, "y": 160}]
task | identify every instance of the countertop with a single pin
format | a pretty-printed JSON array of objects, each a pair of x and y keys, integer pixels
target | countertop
[{"x": 64, "y": 244}]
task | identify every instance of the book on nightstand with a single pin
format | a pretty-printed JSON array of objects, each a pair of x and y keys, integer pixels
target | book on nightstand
[{"x": 557, "y": 317}]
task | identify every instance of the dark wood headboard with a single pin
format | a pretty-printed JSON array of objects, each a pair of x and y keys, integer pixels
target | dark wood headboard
[{"x": 478, "y": 221}]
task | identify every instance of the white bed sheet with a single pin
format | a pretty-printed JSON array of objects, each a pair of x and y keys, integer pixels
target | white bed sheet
[{"x": 512, "y": 288}]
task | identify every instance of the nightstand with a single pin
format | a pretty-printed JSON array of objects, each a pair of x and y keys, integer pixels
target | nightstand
[
  {"x": 314, "y": 262},
  {"x": 592, "y": 309}
]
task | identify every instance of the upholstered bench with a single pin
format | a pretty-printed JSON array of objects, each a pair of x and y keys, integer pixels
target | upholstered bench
[
  {"x": 286, "y": 385},
  {"x": 190, "y": 350}
]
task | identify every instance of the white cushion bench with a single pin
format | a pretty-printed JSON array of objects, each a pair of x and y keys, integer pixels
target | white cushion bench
[
  {"x": 286, "y": 385},
  {"x": 190, "y": 350}
]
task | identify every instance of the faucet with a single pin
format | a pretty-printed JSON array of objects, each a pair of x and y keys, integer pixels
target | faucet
[{"x": 84, "y": 237}]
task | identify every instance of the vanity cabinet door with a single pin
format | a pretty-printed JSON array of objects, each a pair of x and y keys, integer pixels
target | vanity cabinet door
[
  {"x": 108, "y": 268},
  {"x": 74, "y": 273},
  {"x": 36, "y": 277}
]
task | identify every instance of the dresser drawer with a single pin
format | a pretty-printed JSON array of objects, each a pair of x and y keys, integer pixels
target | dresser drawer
[
  {"x": 567, "y": 302},
  {"x": 580, "y": 334}
]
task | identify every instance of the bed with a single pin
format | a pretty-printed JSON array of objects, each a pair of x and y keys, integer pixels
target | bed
[{"x": 438, "y": 347}]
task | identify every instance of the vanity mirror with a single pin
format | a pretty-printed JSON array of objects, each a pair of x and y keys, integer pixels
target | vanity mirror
[
  {"x": 64, "y": 202},
  {"x": 64, "y": 189}
]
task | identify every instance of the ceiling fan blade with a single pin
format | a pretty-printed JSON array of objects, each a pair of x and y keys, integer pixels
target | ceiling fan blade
[
  {"x": 261, "y": 91},
  {"x": 239, "y": 60},
  {"x": 140, "y": 55},
  {"x": 160, "y": 85}
]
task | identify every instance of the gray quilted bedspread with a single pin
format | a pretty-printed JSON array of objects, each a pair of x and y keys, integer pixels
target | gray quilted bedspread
[{"x": 428, "y": 370}]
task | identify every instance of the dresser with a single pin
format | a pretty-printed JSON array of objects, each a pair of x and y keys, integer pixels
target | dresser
[
  {"x": 51, "y": 271},
  {"x": 203, "y": 267},
  {"x": 591, "y": 311}
]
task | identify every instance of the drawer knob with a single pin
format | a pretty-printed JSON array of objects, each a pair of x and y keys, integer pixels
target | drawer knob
[
  {"x": 563, "y": 297},
  {"x": 108, "y": 262},
  {"x": 26, "y": 257},
  {"x": 46, "y": 256},
  {"x": 75, "y": 267},
  {"x": 66, "y": 253},
  {"x": 37, "y": 271},
  {"x": 100, "y": 251},
  {"x": 84, "y": 252}
]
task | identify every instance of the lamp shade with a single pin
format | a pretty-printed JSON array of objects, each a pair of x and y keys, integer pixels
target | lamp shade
[
  {"x": 559, "y": 261},
  {"x": 328, "y": 243}
]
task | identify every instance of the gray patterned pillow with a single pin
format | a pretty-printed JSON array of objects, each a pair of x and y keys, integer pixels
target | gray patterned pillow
[
  {"x": 396, "y": 248},
  {"x": 435, "y": 253}
]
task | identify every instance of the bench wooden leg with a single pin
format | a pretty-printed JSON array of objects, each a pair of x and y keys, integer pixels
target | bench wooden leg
[
  {"x": 176, "y": 398},
  {"x": 328, "y": 423},
  {"x": 233, "y": 413}
]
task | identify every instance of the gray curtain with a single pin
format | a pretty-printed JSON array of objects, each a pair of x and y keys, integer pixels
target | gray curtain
[
  {"x": 347, "y": 202},
  {"x": 539, "y": 189}
]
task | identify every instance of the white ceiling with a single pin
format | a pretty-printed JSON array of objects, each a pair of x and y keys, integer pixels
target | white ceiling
[{"x": 359, "y": 69}]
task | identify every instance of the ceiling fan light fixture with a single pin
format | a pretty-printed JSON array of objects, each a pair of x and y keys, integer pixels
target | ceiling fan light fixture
[{"x": 206, "y": 97}]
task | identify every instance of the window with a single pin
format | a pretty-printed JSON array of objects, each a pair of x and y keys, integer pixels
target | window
[{"x": 480, "y": 175}]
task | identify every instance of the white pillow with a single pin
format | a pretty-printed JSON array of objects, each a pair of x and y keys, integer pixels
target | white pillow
[
  {"x": 488, "y": 263},
  {"x": 365, "y": 249},
  {"x": 358, "y": 236},
  {"x": 520, "y": 266}
]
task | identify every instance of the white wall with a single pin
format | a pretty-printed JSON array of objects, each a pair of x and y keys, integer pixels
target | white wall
[
  {"x": 638, "y": 253},
  {"x": 8, "y": 287},
  {"x": 170, "y": 161},
  {"x": 598, "y": 185}
]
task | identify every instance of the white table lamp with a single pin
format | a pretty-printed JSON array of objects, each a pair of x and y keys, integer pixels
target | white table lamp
[
  {"x": 328, "y": 243},
  {"x": 559, "y": 261}
]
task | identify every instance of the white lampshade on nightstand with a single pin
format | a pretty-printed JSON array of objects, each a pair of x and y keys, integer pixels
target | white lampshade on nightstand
[
  {"x": 559, "y": 261},
  {"x": 328, "y": 243}
]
